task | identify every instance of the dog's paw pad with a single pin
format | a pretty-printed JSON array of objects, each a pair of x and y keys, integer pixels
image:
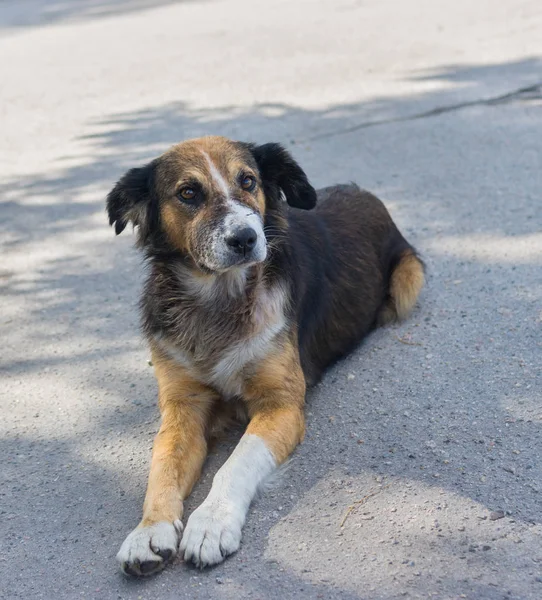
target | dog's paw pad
[{"x": 147, "y": 550}]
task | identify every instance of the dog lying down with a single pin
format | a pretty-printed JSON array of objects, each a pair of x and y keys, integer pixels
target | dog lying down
[{"x": 256, "y": 284}]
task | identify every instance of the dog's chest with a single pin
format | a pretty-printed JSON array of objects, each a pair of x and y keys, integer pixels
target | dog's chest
[{"x": 220, "y": 348}]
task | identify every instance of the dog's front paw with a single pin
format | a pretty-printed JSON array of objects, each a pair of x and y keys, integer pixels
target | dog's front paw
[
  {"x": 212, "y": 532},
  {"x": 148, "y": 549}
]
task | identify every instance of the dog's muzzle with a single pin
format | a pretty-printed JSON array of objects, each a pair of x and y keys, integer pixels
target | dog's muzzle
[{"x": 237, "y": 241}]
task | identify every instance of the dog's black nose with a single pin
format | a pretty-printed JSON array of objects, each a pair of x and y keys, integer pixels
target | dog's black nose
[{"x": 243, "y": 241}]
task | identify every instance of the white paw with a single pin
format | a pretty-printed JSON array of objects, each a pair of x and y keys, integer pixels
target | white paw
[
  {"x": 148, "y": 549},
  {"x": 212, "y": 532}
]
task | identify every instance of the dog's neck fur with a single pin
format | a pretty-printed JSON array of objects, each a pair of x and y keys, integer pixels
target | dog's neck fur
[{"x": 229, "y": 286}]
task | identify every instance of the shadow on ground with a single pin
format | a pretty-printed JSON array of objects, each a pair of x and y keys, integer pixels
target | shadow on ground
[{"x": 39, "y": 13}]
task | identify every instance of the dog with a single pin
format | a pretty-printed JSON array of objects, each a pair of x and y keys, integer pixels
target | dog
[{"x": 256, "y": 284}]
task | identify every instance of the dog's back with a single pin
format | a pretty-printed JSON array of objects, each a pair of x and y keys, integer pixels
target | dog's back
[{"x": 351, "y": 271}]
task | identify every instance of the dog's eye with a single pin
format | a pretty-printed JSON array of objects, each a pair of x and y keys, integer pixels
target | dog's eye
[
  {"x": 248, "y": 183},
  {"x": 187, "y": 194}
]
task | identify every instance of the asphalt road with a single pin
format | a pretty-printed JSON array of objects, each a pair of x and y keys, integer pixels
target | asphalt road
[{"x": 421, "y": 473}]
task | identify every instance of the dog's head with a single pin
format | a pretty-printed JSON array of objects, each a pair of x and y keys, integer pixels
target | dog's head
[{"x": 209, "y": 200}]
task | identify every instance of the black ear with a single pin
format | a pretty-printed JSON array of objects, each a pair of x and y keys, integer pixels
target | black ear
[
  {"x": 130, "y": 199},
  {"x": 277, "y": 167}
]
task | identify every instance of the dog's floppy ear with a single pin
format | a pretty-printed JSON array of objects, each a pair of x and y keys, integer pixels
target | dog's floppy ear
[
  {"x": 277, "y": 167},
  {"x": 129, "y": 201}
]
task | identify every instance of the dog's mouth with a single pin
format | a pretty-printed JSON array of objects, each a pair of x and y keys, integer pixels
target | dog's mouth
[{"x": 230, "y": 263}]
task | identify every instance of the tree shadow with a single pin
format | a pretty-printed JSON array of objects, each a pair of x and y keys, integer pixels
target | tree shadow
[
  {"x": 482, "y": 74},
  {"x": 39, "y": 13}
]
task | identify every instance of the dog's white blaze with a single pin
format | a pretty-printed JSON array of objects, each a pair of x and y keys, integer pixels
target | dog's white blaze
[
  {"x": 217, "y": 176},
  {"x": 238, "y": 216},
  {"x": 214, "y": 528}
]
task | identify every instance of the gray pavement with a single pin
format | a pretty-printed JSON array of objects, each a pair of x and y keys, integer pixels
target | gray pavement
[{"x": 421, "y": 473}]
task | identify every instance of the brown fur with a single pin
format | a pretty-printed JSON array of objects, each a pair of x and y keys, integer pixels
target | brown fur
[
  {"x": 186, "y": 163},
  {"x": 275, "y": 396},
  {"x": 406, "y": 283}
]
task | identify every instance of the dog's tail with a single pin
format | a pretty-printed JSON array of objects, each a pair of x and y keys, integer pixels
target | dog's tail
[{"x": 405, "y": 284}]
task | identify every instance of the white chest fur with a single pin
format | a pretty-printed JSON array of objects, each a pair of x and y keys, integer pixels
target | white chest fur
[
  {"x": 225, "y": 371},
  {"x": 227, "y": 374}
]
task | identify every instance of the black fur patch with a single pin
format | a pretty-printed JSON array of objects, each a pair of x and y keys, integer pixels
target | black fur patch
[
  {"x": 279, "y": 170},
  {"x": 133, "y": 199}
]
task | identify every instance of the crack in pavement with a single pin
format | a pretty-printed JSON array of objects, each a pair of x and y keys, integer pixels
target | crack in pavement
[{"x": 525, "y": 93}]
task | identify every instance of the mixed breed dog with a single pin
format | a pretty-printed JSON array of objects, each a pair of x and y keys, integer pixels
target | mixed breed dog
[{"x": 257, "y": 282}]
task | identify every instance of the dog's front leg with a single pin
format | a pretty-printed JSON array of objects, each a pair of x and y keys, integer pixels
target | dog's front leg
[
  {"x": 275, "y": 397},
  {"x": 178, "y": 454}
]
